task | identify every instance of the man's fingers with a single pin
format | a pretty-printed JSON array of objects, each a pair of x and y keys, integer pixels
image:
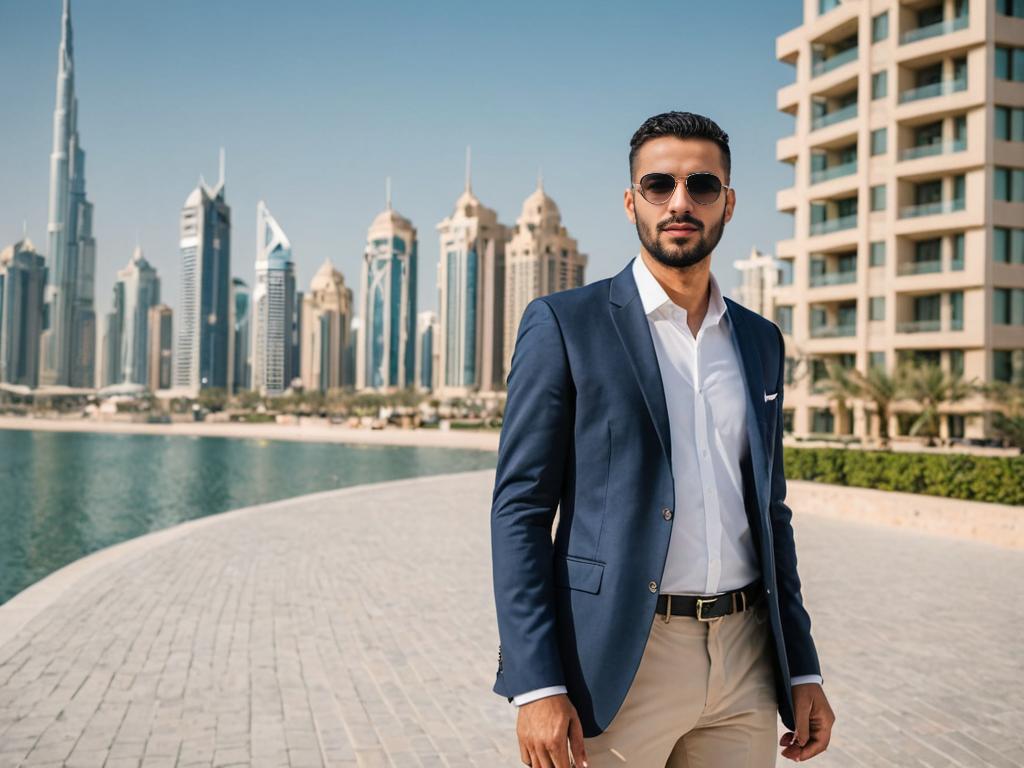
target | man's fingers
[
  {"x": 579, "y": 751},
  {"x": 803, "y": 716},
  {"x": 559, "y": 752},
  {"x": 524, "y": 754}
]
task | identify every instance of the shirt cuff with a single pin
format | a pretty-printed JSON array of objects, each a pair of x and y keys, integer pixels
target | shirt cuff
[
  {"x": 805, "y": 679},
  {"x": 538, "y": 693}
]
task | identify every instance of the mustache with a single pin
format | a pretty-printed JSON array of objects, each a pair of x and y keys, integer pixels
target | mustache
[{"x": 684, "y": 219}]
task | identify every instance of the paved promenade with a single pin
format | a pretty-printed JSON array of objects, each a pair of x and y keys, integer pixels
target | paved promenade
[{"x": 357, "y": 627}]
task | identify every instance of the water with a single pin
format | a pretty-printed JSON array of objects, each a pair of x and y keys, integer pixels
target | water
[{"x": 66, "y": 494}]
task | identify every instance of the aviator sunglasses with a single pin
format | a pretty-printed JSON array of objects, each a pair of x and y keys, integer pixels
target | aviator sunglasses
[{"x": 658, "y": 188}]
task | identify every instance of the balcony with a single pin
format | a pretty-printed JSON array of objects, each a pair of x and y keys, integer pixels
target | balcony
[
  {"x": 920, "y": 267},
  {"x": 827, "y": 65},
  {"x": 932, "y": 209},
  {"x": 834, "y": 225},
  {"x": 836, "y": 116},
  {"x": 938, "y": 148},
  {"x": 919, "y": 326},
  {"x": 941, "y": 88},
  {"x": 833, "y": 331},
  {"x": 834, "y": 172},
  {"x": 834, "y": 278},
  {"x": 934, "y": 30}
]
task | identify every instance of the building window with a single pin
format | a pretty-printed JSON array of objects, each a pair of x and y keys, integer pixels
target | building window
[
  {"x": 880, "y": 27},
  {"x": 877, "y": 257},
  {"x": 1009, "y": 183},
  {"x": 876, "y": 360},
  {"x": 1009, "y": 63},
  {"x": 1008, "y": 306},
  {"x": 957, "y": 243},
  {"x": 1008, "y": 245},
  {"x": 878, "y": 141},
  {"x": 956, "y": 310},
  {"x": 879, "y": 85},
  {"x": 1008, "y": 365},
  {"x": 1010, "y": 8},
  {"x": 878, "y": 197},
  {"x": 822, "y": 421},
  {"x": 956, "y": 362},
  {"x": 876, "y": 308},
  {"x": 784, "y": 318},
  {"x": 1010, "y": 123}
]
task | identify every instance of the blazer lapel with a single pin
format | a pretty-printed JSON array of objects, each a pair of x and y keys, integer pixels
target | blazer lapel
[
  {"x": 627, "y": 313},
  {"x": 757, "y": 431}
]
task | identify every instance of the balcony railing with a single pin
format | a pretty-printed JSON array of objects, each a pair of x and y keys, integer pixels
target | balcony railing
[
  {"x": 932, "y": 209},
  {"x": 833, "y": 172},
  {"x": 941, "y": 88},
  {"x": 827, "y": 65},
  {"x": 834, "y": 225},
  {"x": 936, "y": 148},
  {"x": 934, "y": 30},
  {"x": 832, "y": 331},
  {"x": 834, "y": 278},
  {"x": 920, "y": 267},
  {"x": 836, "y": 116},
  {"x": 919, "y": 326}
]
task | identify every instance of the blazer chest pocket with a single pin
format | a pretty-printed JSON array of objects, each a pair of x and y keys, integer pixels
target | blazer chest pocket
[{"x": 578, "y": 573}]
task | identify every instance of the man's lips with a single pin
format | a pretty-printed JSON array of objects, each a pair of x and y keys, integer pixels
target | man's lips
[{"x": 681, "y": 228}]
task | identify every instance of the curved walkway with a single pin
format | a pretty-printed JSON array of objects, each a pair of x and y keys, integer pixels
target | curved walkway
[{"x": 356, "y": 627}]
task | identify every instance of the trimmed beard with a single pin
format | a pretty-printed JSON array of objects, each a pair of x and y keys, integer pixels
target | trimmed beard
[{"x": 681, "y": 256}]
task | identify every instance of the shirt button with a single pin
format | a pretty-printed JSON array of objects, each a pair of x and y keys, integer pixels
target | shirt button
[
  {"x": 666, "y": 513},
  {"x": 653, "y": 586}
]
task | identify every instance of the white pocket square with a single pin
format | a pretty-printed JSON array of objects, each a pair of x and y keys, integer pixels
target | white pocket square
[{"x": 772, "y": 396}]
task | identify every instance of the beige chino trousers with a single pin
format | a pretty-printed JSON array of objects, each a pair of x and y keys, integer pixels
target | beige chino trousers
[{"x": 703, "y": 697}]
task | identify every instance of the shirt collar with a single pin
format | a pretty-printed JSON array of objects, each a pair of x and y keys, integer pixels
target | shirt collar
[{"x": 654, "y": 298}]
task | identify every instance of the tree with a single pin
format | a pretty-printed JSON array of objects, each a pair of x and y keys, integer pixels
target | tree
[
  {"x": 1008, "y": 415},
  {"x": 839, "y": 387},
  {"x": 931, "y": 387},
  {"x": 880, "y": 389},
  {"x": 213, "y": 398}
]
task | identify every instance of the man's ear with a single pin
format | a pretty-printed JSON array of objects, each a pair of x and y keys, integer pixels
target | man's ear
[
  {"x": 628, "y": 203},
  {"x": 730, "y": 203}
]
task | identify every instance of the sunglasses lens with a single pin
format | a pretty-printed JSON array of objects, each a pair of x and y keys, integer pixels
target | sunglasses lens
[
  {"x": 704, "y": 188},
  {"x": 657, "y": 187}
]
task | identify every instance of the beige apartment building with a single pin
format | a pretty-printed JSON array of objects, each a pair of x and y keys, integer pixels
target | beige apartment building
[{"x": 907, "y": 198}]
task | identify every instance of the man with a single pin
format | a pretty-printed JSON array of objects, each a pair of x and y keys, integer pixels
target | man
[{"x": 664, "y": 626}]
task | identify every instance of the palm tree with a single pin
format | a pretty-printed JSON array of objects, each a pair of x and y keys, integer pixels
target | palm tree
[
  {"x": 881, "y": 390},
  {"x": 930, "y": 387},
  {"x": 839, "y": 387},
  {"x": 1008, "y": 416}
]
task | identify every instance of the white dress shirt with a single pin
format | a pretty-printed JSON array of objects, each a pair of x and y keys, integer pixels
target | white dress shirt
[{"x": 711, "y": 548}]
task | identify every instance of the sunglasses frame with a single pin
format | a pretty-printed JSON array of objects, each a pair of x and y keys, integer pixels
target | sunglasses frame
[{"x": 685, "y": 179}]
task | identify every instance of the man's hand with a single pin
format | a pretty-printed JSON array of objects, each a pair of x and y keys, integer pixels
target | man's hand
[
  {"x": 814, "y": 721},
  {"x": 547, "y": 728}
]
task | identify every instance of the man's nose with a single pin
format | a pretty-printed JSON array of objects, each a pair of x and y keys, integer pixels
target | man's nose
[{"x": 680, "y": 202}]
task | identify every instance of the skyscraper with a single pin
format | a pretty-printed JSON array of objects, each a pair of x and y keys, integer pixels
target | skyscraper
[
  {"x": 907, "y": 202},
  {"x": 273, "y": 303},
  {"x": 69, "y": 321},
  {"x": 141, "y": 290},
  {"x": 111, "y": 326},
  {"x": 471, "y": 288},
  {"x": 386, "y": 357},
  {"x": 201, "y": 356},
  {"x": 427, "y": 330},
  {"x": 241, "y": 368},
  {"x": 160, "y": 348},
  {"x": 540, "y": 259},
  {"x": 22, "y": 283},
  {"x": 326, "y": 316}
]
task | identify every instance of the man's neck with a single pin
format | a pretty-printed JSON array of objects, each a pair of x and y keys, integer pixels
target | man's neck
[{"x": 687, "y": 287}]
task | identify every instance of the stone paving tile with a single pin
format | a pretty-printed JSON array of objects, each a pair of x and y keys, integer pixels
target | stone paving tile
[{"x": 358, "y": 629}]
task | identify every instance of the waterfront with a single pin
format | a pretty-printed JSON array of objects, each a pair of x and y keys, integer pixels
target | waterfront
[{"x": 64, "y": 495}]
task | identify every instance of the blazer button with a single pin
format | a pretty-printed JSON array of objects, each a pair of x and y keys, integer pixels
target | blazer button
[
  {"x": 653, "y": 586},
  {"x": 666, "y": 513}
]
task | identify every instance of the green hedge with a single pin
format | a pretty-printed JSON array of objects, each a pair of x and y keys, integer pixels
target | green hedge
[{"x": 995, "y": 479}]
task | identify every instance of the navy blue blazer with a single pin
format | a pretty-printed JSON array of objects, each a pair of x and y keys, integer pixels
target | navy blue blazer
[{"x": 586, "y": 431}]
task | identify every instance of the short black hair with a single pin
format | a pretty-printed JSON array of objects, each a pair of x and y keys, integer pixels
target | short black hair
[{"x": 683, "y": 125}]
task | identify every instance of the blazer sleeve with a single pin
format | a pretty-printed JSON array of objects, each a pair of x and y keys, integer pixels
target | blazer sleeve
[
  {"x": 796, "y": 623},
  {"x": 533, "y": 450}
]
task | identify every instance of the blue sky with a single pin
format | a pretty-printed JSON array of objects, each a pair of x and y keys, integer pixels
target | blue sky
[{"x": 316, "y": 102}]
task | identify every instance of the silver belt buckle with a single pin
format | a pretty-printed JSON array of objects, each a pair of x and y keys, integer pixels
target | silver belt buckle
[{"x": 701, "y": 602}]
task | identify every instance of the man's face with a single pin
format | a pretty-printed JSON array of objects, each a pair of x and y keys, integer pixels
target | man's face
[{"x": 679, "y": 232}]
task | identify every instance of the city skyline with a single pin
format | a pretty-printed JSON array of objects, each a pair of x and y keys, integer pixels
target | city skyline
[{"x": 425, "y": 159}]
